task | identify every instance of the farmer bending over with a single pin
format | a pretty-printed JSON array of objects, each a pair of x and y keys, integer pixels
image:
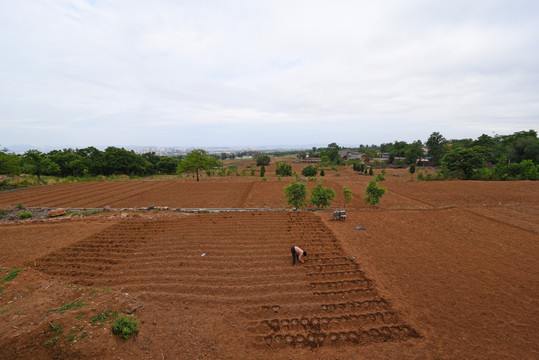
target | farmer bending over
[{"x": 297, "y": 253}]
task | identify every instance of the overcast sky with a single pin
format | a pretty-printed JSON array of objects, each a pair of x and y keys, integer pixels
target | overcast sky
[{"x": 214, "y": 73}]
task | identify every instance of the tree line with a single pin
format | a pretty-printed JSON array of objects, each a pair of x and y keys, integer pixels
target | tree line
[{"x": 87, "y": 162}]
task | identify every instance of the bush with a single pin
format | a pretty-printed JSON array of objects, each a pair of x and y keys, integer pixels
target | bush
[
  {"x": 262, "y": 160},
  {"x": 322, "y": 172},
  {"x": 25, "y": 215},
  {"x": 283, "y": 169},
  {"x": 262, "y": 171},
  {"x": 309, "y": 171},
  {"x": 125, "y": 326}
]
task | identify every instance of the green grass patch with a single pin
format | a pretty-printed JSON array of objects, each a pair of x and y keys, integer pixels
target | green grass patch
[
  {"x": 70, "y": 306},
  {"x": 52, "y": 341},
  {"x": 83, "y": 335},
  {"x": 25, "y": 215},
  {"x": 56, "y": 327},
  {"x": 125, "y": 326},
  {"x": 10, "y": 276},
  {"x": 3, "y": 213},
  {"x": 106, "y": 315},
  {"x": 4, "y": 309}
]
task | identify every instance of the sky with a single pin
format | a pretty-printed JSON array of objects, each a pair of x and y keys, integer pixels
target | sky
[{"x": 258, "y": 73}]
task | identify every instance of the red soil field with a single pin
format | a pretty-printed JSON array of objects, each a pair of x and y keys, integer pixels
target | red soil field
[{"x": 444, "y": 270}]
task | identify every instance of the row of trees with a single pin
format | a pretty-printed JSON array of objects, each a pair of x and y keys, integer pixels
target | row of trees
[
  {"x": 86, "y": 162},
  {"x": 321, "y": 196}
]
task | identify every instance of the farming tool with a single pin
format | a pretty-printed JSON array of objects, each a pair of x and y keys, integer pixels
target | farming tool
[{"x": 364, "y": 230}]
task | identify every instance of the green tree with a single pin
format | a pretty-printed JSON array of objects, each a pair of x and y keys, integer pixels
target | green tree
[
  {"x": 321, "y": 196},
  {"x": 322, "y": 172},
  {"x": 167, "y": 165},
  {"x": 296, "y": 194},
  {"x": 309, "y": 170},
  {"x": 373, "y": 193},
  {"x": 262, "y": 171},
  {"x": 347, "y": 194},
  {"x": 37, "y": 164},
  {"x": 411, "y": 170},
  {"x": 436, "y": 144},
  {"x": 196, "y": 161},
  {"x": 283, "y": 169},
  {"x": 262, "y": 160},
  {"x": 462, "y": 163},
  {"x": 10, "y": 164}
]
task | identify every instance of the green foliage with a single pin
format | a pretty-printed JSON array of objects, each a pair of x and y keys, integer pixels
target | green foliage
[
  {"x": 10, "y": 276},
  {"x": 436, "y": 144},
  {"x": 25, "y": 215},
  {"x": 321, "y": 196},
  {"x": 4, "y": 309},
  {"x": 420, "y": 176},
  {"x": 296, "y": 194},
  {"x": 359, "y": 167},
  {"x": 374, "y": 193},
  {"x": 322, "y": 172},
  {"x": 197, "y": 160},
  {"x": 52, "y": 341},
  {"x": 125, "y": 326},
  {"x": 379, "y": 177},
  {"x": 462, "y": 163},
  {"x": 69, "y": 306},
  {"x": 262, "y": 160},
  {"x": 283, "y": 169},
  {"x": 103, "y": 316},
  {"x": 371, "y": 173},
  {"x": 56, "y": 327},
  {"x": 253, "y": 172},
  {"x": 262, "y": 171},
  {"x": 309, "y": 170},
  {"x": 411, "y": 170},
  {"x": 347, "y": 194},
  {"x": 264, "y": 179},
  {"x": 10, "y": 164}
]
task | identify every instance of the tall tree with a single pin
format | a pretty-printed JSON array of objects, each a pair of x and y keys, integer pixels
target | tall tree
[
  {"x": 196, "y": 161},
  {"x": 436, "y": 144}
]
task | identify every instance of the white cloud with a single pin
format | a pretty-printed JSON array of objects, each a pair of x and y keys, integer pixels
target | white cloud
[{"x": 282, "y": 71}]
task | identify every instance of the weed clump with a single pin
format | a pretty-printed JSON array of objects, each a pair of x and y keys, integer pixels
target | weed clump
[
  {"x": 12, "y": 275},
  {"x": 25, "y": 215},
  {"x": 125, "y": 326}
]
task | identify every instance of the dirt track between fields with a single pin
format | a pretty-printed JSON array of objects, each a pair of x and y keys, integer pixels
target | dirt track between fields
[{"x": 445, "y": 270}]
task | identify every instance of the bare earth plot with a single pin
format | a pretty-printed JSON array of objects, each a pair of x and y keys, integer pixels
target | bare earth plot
[{"x": 445, "y": 270}]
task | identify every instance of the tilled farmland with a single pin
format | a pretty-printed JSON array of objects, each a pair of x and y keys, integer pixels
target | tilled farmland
[{"x": 437, "y": 276}]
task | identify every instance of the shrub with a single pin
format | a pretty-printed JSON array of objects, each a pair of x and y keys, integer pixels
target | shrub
[
  {"x": 309, "y": 170},
  {"x": 125, "y": 326},
  {"x": 253, "y": 172},
  {"x": 25, "y": 215},
  {"x": 262, "y": 171},
  {"x": 283, "y": 169},
  {"x": 262, "y": 160},
  {"x": 264, "y": 179},
  {"x": 322, "y": 172}
]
